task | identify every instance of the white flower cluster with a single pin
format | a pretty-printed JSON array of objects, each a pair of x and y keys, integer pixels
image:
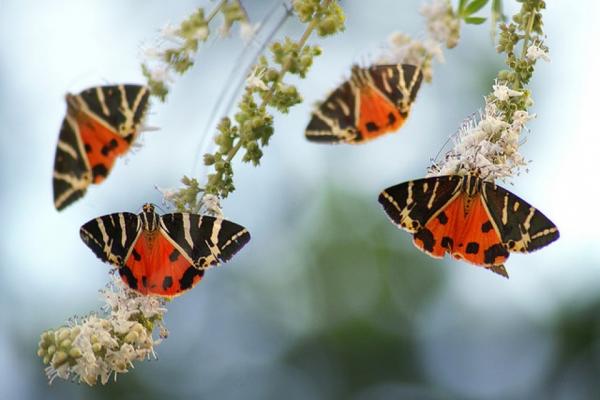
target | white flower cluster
[
  {"x": 535, "y": 52},
  {"x": 443, "y": 29},
  {"x": 94, "y": 348},
  {"x": 442, "y": 24},
  {"x": 487, "y": 143},
  {"x": 153, "y": 56}
]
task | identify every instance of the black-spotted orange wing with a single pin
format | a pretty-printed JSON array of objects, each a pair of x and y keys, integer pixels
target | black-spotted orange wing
[
  {"x": 375, "y": 100},
  {"x": 100, "y": 125},
  {"x": 469, "y": 218},
  {"x": 163, "y": 255}
]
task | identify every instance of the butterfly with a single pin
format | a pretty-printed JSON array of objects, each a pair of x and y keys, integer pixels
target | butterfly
[
  {"x": 467, "y": 217},
  {"x": 375, "y": 100},
  {"x": 101, "y": 123},
  {"x": 162, "y": 255}
]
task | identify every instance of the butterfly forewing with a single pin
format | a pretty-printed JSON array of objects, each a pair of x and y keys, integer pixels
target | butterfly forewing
[
  {"x": 399, "y": 83},
  {"x": 121, "y": 107},
  {"x": 111, "y": 237},
  {"x": 410, "y": 205},
  {"x": 334, "y": 121},
  {"x": 522, "y": 227},
  {"x": 202, "y": 239}
]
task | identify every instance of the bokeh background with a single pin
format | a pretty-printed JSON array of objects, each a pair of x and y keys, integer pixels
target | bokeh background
[{"x": 329, "y": 300}]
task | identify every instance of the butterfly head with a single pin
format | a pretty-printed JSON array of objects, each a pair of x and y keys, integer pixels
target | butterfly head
[
  {"x": 149, "y": 217},
  {"x": 472, "y": 184}
]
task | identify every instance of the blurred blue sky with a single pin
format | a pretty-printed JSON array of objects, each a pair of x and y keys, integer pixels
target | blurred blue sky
[{"x": 47, "y": 274}]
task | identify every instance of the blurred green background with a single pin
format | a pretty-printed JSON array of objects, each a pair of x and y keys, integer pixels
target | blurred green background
[{"x": 329, "y": 300}]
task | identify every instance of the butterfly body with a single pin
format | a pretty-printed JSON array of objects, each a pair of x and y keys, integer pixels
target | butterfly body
[
  {"x": 374, "y": 101},
  {"x": 162, "y": 255},
  {"x": 100, "y": 125},
  {"x": 467, "y": 217}
]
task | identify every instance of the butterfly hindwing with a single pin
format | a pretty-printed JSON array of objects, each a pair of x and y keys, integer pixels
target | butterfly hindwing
[
  {"x": 204, "y": 240},
  {"x": 156, "y": 267},
  {"x": 375, "y": 100},
  {"x": 522, "y": 227},
  {"x": 100, "y": 125},
  {"x": 465, "y": 235},
  {"x": 111, "y": 237}
]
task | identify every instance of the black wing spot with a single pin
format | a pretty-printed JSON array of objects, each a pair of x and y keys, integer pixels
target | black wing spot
[
  {"x": 99, "y": 170},
  {"x": 511, "y": 244},
  {"x": 493, "y": 252},
  {"x": 415, "y": 224},
  {"x": 187, "y": 280},
  {"x": 472, "y": 248},
  {"x": 108, "y": 147},
  {"x": 372, "y": 126},
  {"x": 167, "y": 282},
  {"x": 88, "y": 148},
  {"x": 442, "y": 218},
  {"x": 136, "y": 256},
  {"x": 447, "y": 242},
  {"x": 486, "y": 227},
  {"x": 391, "y": 119},
  {"x": 131, "y": 280},
  {"x": 425, "y": 236},
  {"x": 144, "y": 281},
  {"x": 174, "y": 255}
]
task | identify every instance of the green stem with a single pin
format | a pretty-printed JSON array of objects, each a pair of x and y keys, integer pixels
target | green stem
[
  {"x": 527, "y": 34},
  {"x": 517, "y": 84},
  {"x": 309, "y": 29}
]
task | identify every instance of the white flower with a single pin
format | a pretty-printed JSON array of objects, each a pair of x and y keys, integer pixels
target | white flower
[
  {"x": 534, "y": 52},
  {"x": 503, "y": 92},
  {"x": 255, "y": 80},
  {"x": 248, "y": 31},
  {"x": 168, "y": 194},
  {"x": 169, "y": 31},
  {"x": 434, "y": 49},
  {"x": 521, "y": 117},
  {"x": 442, "y": 25},
  {"x": 160, "y": 73},
  {"x": 210, "y": 205},
  {"x": 151, "y": 52},
  {"x": 201, "y": 33}
]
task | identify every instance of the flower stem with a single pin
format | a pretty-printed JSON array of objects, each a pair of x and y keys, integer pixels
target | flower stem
[
  {"x": 238, "y": 145},
  {"x": 215, "y": 10},
  {"x": 527, "y": 34}
]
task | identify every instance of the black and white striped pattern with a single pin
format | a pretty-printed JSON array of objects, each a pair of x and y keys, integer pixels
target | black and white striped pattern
[
  {"x": 203, "y": 240},
  {"x": 111, "y": 237}
]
